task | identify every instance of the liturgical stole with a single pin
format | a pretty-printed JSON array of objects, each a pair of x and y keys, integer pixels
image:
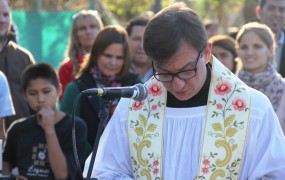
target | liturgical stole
[{"x": 225, "y": 128}]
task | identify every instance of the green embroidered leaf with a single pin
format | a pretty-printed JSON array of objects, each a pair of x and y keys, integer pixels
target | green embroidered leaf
[
  {"x": 151, "y": 127},
  {"x": 142, "y": 120},
  {"x": 135, "y": 146},
  {"x": 229, "y": 120},
  {"x": 234, "y": 146},
  {"x": 139, "y": 131},
  {"x": 219, "y": 135},
  {"x": 231, "y": 132},
  {"x": 217, "y": 127}
]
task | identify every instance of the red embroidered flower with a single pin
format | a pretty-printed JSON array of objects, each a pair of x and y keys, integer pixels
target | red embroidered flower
[
  {"x": 219, "y": 106},
  {"x": 137, "y": 105},
  {"x": 223, "y": 88},
  {"x": 155, "y": 162},
  {"x": 154, "y": 107},
  {"x": 155, "y": 171},
  {"x": 155, "y": 89},
  {"x": 206, "y": 162},
  {"x": 239, "y": 104},
  {"x": 205, "y": 170}
]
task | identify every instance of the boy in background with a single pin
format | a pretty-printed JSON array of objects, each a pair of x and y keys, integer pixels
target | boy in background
[{"x": 40, "y": 146}]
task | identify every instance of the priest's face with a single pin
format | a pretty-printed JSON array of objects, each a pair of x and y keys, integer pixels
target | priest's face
[{"x": 185, "y": 72}]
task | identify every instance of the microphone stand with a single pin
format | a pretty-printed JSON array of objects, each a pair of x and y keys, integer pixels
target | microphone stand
[{"x": 103, "y": 115}]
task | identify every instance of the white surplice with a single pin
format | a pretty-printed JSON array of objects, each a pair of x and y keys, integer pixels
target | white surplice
[{"x": 264, "y": 156}]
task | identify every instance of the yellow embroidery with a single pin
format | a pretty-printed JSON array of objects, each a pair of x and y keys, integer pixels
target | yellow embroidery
[
  {"x": 145, "y": 133},
  {"x": 224, "y": 132}
]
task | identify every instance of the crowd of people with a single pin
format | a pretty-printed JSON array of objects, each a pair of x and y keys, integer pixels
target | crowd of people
[{"x": 214, "y": 109}]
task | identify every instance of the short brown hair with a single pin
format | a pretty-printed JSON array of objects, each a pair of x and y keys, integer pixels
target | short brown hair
[{"x": 169, "y": 28}]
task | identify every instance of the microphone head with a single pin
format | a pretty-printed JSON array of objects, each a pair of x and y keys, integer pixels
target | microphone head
[{"x": 142, "y": 92}]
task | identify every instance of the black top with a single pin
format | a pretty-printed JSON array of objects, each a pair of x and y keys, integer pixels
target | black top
[
  {"x": 91, "y": 104},
  {"x": 26, "y": 147},
  {"x": 200, "y": 99}
]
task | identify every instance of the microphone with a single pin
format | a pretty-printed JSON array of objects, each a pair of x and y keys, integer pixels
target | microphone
[{"x": 137, "y": 92}]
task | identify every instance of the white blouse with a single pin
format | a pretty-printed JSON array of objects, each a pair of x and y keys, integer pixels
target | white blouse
[{"x": 264, "y": 156}]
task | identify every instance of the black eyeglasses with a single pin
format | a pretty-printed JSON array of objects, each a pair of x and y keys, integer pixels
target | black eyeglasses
[{"x": 186, "y": 74}]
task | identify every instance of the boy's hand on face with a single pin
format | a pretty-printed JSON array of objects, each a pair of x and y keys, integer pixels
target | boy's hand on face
[{"x": 45, "y": 118}]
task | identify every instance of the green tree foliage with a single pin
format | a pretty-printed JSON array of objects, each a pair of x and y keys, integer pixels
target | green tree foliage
[{"x": 124, "y": 10}]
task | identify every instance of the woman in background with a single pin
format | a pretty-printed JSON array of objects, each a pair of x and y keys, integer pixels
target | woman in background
[
  {"x": 85, "y": 26},
  {"x": 107, "y": 66},
  {"x": 256, "y": 49},
  {"x": 224, "y": 49}
]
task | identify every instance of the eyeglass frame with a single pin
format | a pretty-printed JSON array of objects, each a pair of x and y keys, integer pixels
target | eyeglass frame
[{"x": 172, "y": 75}]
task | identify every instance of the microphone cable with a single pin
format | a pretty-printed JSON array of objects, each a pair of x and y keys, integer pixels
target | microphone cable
[{"x": 74, "y": 136}]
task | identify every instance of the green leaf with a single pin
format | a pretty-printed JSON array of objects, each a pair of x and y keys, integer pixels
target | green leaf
[
  {"x": 151, "y": 127},
  {"x": 139, "y": 131},
  {"x": 231, "y": 132},
  {"x": 142, "y": 120},
  {"x": 229, "y": 120},
  {"x": 217, "y": 127}
]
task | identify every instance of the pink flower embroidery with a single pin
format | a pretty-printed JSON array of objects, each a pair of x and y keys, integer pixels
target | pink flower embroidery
[
  {"x": 205, "y": 170},
  {"x": 155, "y": 162},
  {"x": 223, "y": 88},
  {"x": 154, "y": 107},
  {"x": 155, "y": 89},
  {"x": 155, "y": 171},
  {"x": 206, "y": 162},
  {"x": 239, "y": 104},
  {"x": 137, "y": 105},
  {"x": 219, "y": 106}
]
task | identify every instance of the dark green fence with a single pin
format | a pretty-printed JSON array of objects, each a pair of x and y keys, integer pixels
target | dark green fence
[{"x": 45, "y": 34}]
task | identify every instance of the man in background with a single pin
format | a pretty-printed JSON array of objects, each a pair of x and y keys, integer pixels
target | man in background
[
  {"x": 141, "y": 63},
  {"x": 13, "y": 60},
  {"x": 272, "y": 13}
]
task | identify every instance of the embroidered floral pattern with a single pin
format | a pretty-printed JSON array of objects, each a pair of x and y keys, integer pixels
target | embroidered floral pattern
[
  {"x": 223, "y": 106},
  {"x": 155, "y": 89},
  {"x": 137, "y": 105},
  {"x": 219, "y": 106},
  {"x": 239, "y": 104},
  {"x": 223, "y": 88},
  {"x": 145, "y": 132}
]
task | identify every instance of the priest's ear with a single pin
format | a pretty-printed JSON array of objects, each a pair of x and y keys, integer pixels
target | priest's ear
[
  {"x": 257, "y": 11},
  {"x": 207, "y": 52}
]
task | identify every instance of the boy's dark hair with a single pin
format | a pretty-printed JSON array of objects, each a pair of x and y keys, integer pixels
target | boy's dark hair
[{"x": 39, "y": 70}]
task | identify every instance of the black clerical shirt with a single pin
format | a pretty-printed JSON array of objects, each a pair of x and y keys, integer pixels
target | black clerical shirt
[{"x": 200, "y": 99}]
